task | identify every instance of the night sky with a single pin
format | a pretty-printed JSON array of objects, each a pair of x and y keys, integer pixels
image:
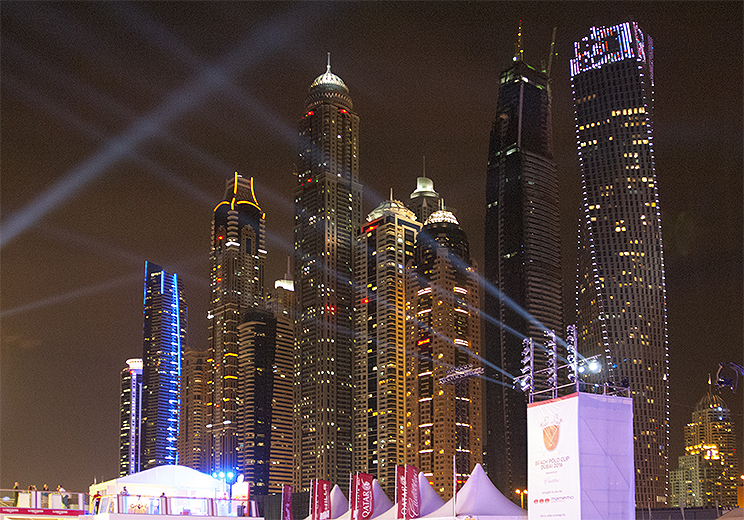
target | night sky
[{"x": 122, "y": 121}]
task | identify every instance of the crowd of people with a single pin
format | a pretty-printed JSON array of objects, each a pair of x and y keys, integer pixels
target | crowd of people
[{"x": 45, "y": 491}]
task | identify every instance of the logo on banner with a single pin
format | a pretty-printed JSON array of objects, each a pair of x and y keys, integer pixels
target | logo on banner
[
  {"x": 322, "y": 500},
  {"x": 551, "y": 428},
  {"x": 365, "y": 501},
  {"x": 408, "y": 498}
]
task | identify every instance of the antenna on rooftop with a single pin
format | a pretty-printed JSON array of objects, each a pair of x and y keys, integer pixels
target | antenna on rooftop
[
  {"x": 518, "y": 52},
  {"x": 552, "y": 51}
]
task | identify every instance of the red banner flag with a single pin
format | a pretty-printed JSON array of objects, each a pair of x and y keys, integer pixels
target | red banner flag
[
  {"x": 409, "y": 496},
  {"x": 322, "y": 500},
  {"x": 286, "y": 502},
  {"x": 364, "y": 500}
]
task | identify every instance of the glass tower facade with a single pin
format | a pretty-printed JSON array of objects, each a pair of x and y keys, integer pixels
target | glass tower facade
[
  {"x": 266, "y": 365},
  {"x": 164, "y": 333},
  {"x": 384, "y": 248},
  {"x": 131, "y": 418},
  {"x": 328, "y": 209},
  {"x": 237, "y": 270},
  {"x": 523, "y": 295},
  {"x": 621, "y": 296},
  {"x": 443, "y": 419}
]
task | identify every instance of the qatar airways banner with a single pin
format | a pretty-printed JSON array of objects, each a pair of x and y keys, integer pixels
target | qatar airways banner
[
  {"x": 580, "y": 458},
  {"x": 286, "y": 502},
  {"x": 553, "y": 459},
  {"x": 408, "y": 495},
  {"x": 321, "y": 500},
  {"x": 364, "y": 500}
]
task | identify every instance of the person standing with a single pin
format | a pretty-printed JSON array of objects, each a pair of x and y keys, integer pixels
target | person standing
[
  {"x": 62, "y": 491},
  {"x": 16, "y": 487}
]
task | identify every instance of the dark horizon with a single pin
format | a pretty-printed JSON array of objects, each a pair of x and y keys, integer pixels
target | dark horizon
[{"x": 122, "y": 121}]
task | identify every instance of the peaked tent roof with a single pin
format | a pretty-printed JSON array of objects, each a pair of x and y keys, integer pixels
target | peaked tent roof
[
  {"x": 339, "y": 504},
  {"x": 480, "y": 497}
]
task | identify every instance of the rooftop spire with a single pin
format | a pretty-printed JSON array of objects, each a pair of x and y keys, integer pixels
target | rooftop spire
[
  {"x": 518, "y": 52},
  {"x": 391, "y": 193},
  {"x": 328, "y": 68}
]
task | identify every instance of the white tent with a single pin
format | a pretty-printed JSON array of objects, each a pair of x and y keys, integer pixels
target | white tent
[
  {"x": 174, "y": 481},
  {"x": 480, "y": 499},
  {"x": 339, "y": 504}
]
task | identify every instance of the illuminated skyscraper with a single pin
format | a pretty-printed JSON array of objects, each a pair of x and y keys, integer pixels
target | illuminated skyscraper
[
  {"x": 193, "y": 444},
  {"x": 328, "y": 210},
  {"x": 443, "y": 320},
  {"x": 237, "y": 270},
  {"x": 522, "y": 258},
  {"x": 131, "y": 418},
  {"x": 621, "y": 297},
  {"x": 383, "y": 249},
  {"x": 265, "y": 376},
  {"x": 164, "y": 335},
  {"x": 708, "y": 472}
]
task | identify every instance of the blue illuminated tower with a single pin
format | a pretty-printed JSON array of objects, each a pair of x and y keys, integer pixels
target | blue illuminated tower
[
  {"x": 621, "y": 297},
  {"x": 164, "y": 336}
]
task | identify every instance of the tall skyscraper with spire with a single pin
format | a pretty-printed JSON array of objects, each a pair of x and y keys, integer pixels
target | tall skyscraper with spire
[
  {"x": 522, "y": 257},
  {"x": 164, "y": 338},
  {"x": 328, "y": 209},
  {"x": 621, "y": 296},
  {"x": 236, "y": 278},
  {"x": 383, "y": 249}
]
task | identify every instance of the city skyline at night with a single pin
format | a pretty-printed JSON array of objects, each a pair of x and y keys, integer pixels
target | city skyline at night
[{"x": 108, "y": 160}]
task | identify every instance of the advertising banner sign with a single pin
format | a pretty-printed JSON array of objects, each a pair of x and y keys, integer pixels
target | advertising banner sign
[
  {"x": 286, "y": 502},
  {"x": 364, "y": 501},
  {"x": 322, "y": 500},
  {"x": 553, "y": 459},
  {"x": 409, "y": 495}
]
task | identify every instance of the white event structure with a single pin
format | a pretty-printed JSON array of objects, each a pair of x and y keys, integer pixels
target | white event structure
[
  {"x": 580, "y": 458},
  {"x": 174, "y": 481}
]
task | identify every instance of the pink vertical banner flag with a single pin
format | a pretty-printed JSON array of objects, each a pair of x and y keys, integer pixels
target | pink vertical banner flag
[
  {"x": 322, "y": 500},
  {"x": 364, "y": 500},
  {"x": 409, "y": 496},
  {"x": 286, "y": 502},
  {"x": 414, "y": 493},
  {"x": 400, "y": 491}
]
